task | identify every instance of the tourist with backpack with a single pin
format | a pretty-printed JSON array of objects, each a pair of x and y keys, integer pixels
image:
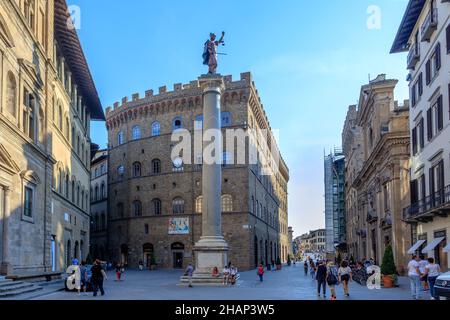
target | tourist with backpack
[{"x": 332, "y": 279}]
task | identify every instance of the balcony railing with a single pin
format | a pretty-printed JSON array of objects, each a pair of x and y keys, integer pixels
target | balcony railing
[
  {"x": 429, "y": 25},
  {"x": 429, "y": 206},
  {"x": 413, "y": 56}
]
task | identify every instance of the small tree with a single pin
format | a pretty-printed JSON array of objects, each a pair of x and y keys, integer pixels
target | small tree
[{"x": 388, "y": 266}]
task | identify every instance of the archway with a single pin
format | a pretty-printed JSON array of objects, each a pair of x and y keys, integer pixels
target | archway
[
  {"x": 148, "y": 253},
  {"x": 177, "y": 249}
]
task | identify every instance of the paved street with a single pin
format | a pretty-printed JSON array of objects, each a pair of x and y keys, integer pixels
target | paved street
[{"x": 288, "y": 284}]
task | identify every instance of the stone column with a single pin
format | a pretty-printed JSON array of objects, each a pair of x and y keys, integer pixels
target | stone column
[
  {"x": 6, "y": 213},
  {"x": 212, "y": 249}
]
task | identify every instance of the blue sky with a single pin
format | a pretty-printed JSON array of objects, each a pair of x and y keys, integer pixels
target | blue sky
[{"x": 308, "y": 59}]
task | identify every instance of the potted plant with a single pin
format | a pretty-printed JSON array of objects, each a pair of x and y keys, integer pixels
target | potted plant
[
  {"x": 388, "y": 269},
  {"x": 279, "y": 266}
]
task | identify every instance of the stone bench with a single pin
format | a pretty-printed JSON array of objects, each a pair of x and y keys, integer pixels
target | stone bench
[{"x": 36, "y": 277}]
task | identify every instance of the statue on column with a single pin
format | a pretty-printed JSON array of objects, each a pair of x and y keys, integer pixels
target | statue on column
[{"x": 210, "y": 52}]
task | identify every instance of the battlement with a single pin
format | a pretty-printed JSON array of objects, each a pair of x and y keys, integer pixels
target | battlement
[{"x": 179, "y": 90}]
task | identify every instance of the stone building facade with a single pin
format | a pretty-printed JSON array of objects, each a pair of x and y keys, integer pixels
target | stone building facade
[
  {"x": 99, "y": 205},
  {"x": 154, "y": 212},
  {"x": 425, "y": 33},
  {"x": 378, "y": 189},
  {"x": 47, "y": 98}
]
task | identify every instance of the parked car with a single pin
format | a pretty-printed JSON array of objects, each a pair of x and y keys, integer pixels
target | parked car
[
  {"x": 442, "y": 286},
  {"x": 66, "y": 276}
]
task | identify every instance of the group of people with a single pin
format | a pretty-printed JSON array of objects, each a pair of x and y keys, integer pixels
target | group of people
[
  {"x": 422, "y": 275},
  {"x": 326, "y": 273},
  {"x": 229, "y": 274},
  {"x": 97, "y": 277}
]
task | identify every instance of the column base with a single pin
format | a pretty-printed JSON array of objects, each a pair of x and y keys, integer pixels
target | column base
[{"x": 209, "y": 252}]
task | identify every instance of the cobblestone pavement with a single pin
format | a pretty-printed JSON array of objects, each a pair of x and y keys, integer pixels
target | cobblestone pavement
[{"x": 287, "y": 284}]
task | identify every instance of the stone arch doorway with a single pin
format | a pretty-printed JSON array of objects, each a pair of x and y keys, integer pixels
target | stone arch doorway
[
  {"x": 177, "y": 249},
  {"x": 148, "y": 253},
  {"x": 124, "y": 254}
]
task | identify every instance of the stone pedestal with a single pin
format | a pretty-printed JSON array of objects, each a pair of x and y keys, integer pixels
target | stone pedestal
[{"x": 212, "y": 249}]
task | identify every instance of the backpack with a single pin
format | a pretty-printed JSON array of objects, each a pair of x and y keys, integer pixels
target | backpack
[{"x": 332, "y": 276}]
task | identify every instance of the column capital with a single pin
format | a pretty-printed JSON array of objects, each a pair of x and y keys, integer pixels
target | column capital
[{"x": 213, "y": 82}]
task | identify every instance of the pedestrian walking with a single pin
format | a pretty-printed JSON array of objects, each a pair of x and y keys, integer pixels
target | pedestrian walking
[
  {"x": 98, "y": 276},
  {"x": 83, "y": 277},
  {"x": 312, "y": 270},
  {"x": 332, "y": 278},
  {"x": 141, "y": 265},
  {"x": 305, "y": 268},
  {"x": 423, "y": 276},
  {"x": 260, "y": 273},
  {"x": 119, "y": 269},
  {"x": 414, "y": 277},
  {"x": 226, "y": 275},
  {"x": 189, "y": 272},
  {"x": 321, "y": 277},
  {"x": 432, "y": 271},
  {"x": 345, "y": 276}
]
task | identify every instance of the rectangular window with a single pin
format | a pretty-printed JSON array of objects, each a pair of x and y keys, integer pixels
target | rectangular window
[
  {"x": 414, "y": 141},
  {"x": 421, "y": 134},
  {"x": 439, "y": 114},
  {"x": 420, "y": 84},
  {"x": 429, "y": 124},
  {"x": 28, "y": 203},
  {"x": 413, "y": 95},
  {"x": 437, "y": 56},
  {"x": 428, "y": 72}
]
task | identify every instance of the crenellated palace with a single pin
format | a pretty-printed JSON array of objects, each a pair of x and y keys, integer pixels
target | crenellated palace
[{"x": 155, "y": 201}]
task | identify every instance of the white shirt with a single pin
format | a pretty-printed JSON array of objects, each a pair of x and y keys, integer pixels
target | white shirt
[
  {"x": 412, "y": 265},
  {"x": 345, "y": 271},
  {"x": 226, "y": 270},
  {"x": 422, "y": 265},
  {"x": 433, "y": 269}
]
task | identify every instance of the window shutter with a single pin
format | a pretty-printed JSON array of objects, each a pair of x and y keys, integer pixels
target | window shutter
[
  {"x": 414, "y": 141},
  {"x": 422, "y": 134},
  {"x": 413, "y": 95},
  {"x": 438, "y": 55},
  {"x": 440, "y": 118},
  {"x": 428, "y": 72},
  {"x": 429, "y": 125},
  {"x": 448, "y": 38},
  {"x": 420, "y": 84}
]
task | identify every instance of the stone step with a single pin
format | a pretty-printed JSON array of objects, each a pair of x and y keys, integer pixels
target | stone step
[
  {"x": 18, "y": 292},
  {"x": 15, "y": 286},
  {"x": 203, "y": 281}
]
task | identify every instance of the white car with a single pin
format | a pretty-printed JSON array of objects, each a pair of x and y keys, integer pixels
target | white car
[{"x": 442, "y": 286}]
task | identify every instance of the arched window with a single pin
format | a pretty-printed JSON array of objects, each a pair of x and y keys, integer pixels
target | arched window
[
  {"x": 227, "y": 159},
  {"x": 120, "y": 172},
  {"x": 177, "y": 123},
  {"x": 199, "y": 204},
  {"x": 136, "y": 133},
  {"x": 73, "y": 190},
  {"x": 96, "y": 193},
  {"x": 41, "y": 125},
  {"x": 227, "y": 203},
  {"x": 120, "y": 210},
  {"x": 11, "y": 94},
  {"x": 178, "y": 206},
  {"x": 156, "y": 166},
  {"x": 60, "y": 117},
  {"x": 28, "y": 117},
  {"x": 226, "y": 119},
  {"x": 136, "y": 169},
  {"x": 137, "y": 208},
  {"x": 67, "y": 186},
  {"x": 177, "y": 165},
  {"x": 67, "y": 129},
  {"x": 60, "y": 180},
  {"x": 156, "y": 207},
  {"x": 120, "y": 138},
  {"x": 82, "y": 199},
  {"x": 78, "y": 195},
  {"x": 96, "y": 223},
  {"x": 103, "y": 191},
  {"x": 156, "y": 129}
]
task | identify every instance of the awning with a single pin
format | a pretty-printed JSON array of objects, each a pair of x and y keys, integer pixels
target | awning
[
  {"x": 416, "y": 246},
  {"x": 432, "y": 245},
  {"x": 447, "y": 248}
]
